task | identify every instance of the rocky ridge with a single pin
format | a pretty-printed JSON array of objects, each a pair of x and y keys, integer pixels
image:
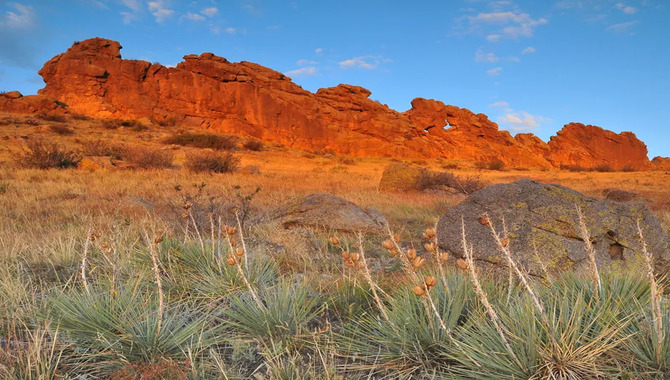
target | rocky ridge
[{"x": 207, "y": 91}]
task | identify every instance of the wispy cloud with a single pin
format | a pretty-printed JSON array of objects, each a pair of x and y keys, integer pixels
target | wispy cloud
[
  {"x": 368, "y": 62},
  {"x": 22, "y": 17},
  {"x": 303, "y": 72},
  {"x": 160, "y": 10},
  {"x": 626, "y": 8},
  {"x": 210, "y": 12},
  {"x": 482, "y": 56},
  {"x": 521, "y": 121},
  {"x": 621, "y": 28},
  {"x": 194, "y": 17},
  {"x": 494, "y": 72},
  {"x": 318, "y": 50},
  {"x": 528, "y": 50},
  {"x": 19, "y": 31},
  {"x": 303, "y": 62},
  {"x": 499, "y": 104},
  {"x": 510, "y": 24},
  {"x": 230, "y": 30}
]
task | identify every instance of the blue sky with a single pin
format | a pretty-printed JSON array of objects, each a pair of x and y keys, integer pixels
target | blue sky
[{"x": 531, "y": 66}]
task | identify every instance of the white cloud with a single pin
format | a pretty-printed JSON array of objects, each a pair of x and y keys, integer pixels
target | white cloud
[
  {"x": 230, "y": 30},
  {"x": 318, "y": 50},
  {"x": 493, "y": 37},
  {"x": 625, "y": 8},
  {"x": 511, "y": 24},
  {"x": 210, "y": 12},
  {"x": 528, "y": 50},
  {"x": 365, "y": 62},
  {"x": 494, "y": 71},
  {"x": 499, "y": 104},
  {"x": 521, "y": 120},
  {"x": 215, "y": 29},
  {"x": 303, "y": 72},
  {"x": 134, "y": 5},
  {"x": 23, "y": 18},
  {"x": 303, "y": 62},
  {"x": 194, "y": 17},
  {"x": 160, "y": 10},
  {"x": 481, "y": 56},
  {"x": 622, "y": 27}
]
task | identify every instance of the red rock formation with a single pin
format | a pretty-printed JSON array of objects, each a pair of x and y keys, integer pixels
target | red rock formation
[
  {"x": 590, "y": 146},
  {"x": 247, "y": 99},
  {"x": 14, "y": 102},
  {"x": 660, "y": 163}
]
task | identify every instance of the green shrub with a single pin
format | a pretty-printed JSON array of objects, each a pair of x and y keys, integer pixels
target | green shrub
[
  {"x": 202, "y": 140},
  {"x": 212, "y": 162},
  {"x": 253, "y": 145},
  {"x": 43, "y": 155},
  {"x": 62, "y": 130},
  {"x": 148, "y": 158}
]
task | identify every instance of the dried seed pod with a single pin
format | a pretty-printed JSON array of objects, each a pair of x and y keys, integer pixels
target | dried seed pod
[
  {"x": 429, "y": 233},
  {"x": 504, "y": 242},
  {"x": 411, "y": 253},
  {"x": 397, "y": 238},
  {"x": 334, "y": 241},
  {"x": 239, "y": 252},
  {"x": 345, "y": 255},
  {"x": 349, "y": 263},
  {"x": 231, "y": 260},
  {"x": 418, "y": 262},
  {"x": 419, "y": 290},
  {"x": 444, "y": 256},
  {"x": 231, "y": 230},
  {"x": 103, "y": 245},
  {"x": 158, "y": 239},
  {"x": 233, "y": 243},
  {"x": 394, "y": 252},
  {"x": 92, "y": 237},
  {"x": 388, "y": 244},
  {"x": 484, "y": 220},
  {"x": 430, "y": 281},
  {"x": 462, "y": 264},
  {"x": 355, "y": 257},
  {"x": 430, "y": 247},
  {"x": 160, "y": 231},
  {"x": 184, "y": 215}
]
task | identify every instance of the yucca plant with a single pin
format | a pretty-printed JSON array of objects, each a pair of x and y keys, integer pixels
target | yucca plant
[
  {"x": 411, "y": 343},
  {"x": 280, "y": 321},
  {"x": 126, "y": 327},
  {"x": 577, "y": 343}
]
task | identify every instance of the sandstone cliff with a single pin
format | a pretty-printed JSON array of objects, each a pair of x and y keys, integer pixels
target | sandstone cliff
[{"x": 246, "y": 99}]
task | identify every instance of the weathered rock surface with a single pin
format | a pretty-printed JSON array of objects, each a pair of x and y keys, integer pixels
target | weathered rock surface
[
  {"x": 15, "y": 102},
  {"x": 542, "y": 217},
  {"x": 660, "y": 163},
  {"x": 247, "y": 99},
  {"x": 590, "y": 146},
  {"x": 326, "y": 211}
]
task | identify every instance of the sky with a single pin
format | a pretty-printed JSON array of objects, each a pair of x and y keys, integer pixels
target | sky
[{"x": 531, "y": 66}]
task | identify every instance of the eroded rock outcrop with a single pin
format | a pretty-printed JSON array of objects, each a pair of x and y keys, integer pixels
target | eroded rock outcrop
[
  {"x": 247, "y": 99},
  {"x": 589, "y": 146}
]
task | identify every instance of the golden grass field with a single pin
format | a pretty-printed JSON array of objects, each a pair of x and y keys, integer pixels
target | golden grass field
[{"x": 45, "y": 216}]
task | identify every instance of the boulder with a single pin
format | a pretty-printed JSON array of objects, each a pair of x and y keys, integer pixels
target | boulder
[
  {"x": 326, "y": 211},
  {"x": 542, "y": 224},
  {"x": 400, "y": 177},
  {"x": 403, "y": 177}
]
